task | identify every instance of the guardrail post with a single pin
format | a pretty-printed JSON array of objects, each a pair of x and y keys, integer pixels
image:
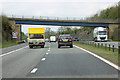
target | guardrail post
[
  {"x": 119, "y": 49},
  {"x": 101, "y": 45},
  {"x": 113, "y": 48},
  {"x": 95, "y": 44},
  {"x": 105, "y": 46},
  {"x": 109, "y": 47}
]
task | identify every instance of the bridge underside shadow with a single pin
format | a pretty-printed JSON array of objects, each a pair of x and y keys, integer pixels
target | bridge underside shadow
[{"x": 57, "y": 23}]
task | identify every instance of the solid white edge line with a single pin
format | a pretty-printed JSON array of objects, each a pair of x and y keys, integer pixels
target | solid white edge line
[
  {"x": 106, "y": 61},
  {"x": 12, "y": 51},
  {"x": 34, "y": 70}
]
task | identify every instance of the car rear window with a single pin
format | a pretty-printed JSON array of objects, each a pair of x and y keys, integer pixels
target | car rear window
[
  {"x": 36, "y": 36},
  {"x": 65, "y": 37}
]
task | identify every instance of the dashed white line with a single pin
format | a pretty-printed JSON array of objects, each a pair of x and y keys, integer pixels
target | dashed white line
[
  {"x": 34, "y": 70},
  {"x": 43, "y": 59},
  {"x": 106, "y": 61},
  {"x": 48, "y": 50},
  {"x": 12, "y": 51},
  {"x": 47, "y": 53}
]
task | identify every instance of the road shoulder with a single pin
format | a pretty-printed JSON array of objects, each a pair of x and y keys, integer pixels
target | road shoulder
[{"x": 99, "y": 57}]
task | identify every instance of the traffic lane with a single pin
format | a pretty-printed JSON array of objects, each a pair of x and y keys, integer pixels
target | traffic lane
[
  {"x": 6, "y": 50},
  {"x": 72, "y": 63},
  {"x": 18, "y": 64}
]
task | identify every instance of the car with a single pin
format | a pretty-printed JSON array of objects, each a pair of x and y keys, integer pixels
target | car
[
  {"x": 52, "y": 39},
  {"x": 75, "y": 39},
  {"x": 65, "y": 40},
  {"x": 46, "y": 40}
]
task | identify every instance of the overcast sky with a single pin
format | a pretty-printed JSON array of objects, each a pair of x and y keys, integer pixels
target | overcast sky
[{"x": 54, "y": 8}]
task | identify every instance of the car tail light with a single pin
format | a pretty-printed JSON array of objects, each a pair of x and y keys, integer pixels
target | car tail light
[
  {"x": 60, "y": 39},
  {"x": 59, "y": 43},
  {"x": 70, "y": 39},
  {"x": 42, "y": 43}
]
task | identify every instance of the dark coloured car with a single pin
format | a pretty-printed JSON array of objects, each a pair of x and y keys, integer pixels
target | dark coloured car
[
  {"x": 75, "y": 39},
  {"x": 65, "y": 40}
]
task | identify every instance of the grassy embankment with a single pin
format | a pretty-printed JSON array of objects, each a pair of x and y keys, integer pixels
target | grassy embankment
[
  {"x": 116, "y": 41},
  {"x": 109, "y": 55},
  {"x": 7, "y": 44}
]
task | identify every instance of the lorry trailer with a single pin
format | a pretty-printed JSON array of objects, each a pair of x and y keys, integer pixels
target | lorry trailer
[
  {"x": 100, "y": 34},
  {"x": 36, "y": 37}
]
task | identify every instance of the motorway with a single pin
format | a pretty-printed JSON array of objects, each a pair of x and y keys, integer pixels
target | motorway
[{"x": 52, "y": 62}]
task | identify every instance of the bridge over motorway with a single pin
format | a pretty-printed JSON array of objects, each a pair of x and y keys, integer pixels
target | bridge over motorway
[{"x": 16, "y": 22}]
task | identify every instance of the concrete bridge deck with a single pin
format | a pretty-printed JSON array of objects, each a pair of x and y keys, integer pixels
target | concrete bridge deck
[{"x": 66, "y": 20}]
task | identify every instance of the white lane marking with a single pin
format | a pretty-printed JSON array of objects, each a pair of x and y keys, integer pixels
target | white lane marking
[
  {"x": 47, "y": 53},
  {"x": 43, "y": 59},
  {"x": 48, "y": 50},
  {"x": 34, "y": 70},
  {"x": 12, "y": 51},
  {"x": 106, "y": 61}
]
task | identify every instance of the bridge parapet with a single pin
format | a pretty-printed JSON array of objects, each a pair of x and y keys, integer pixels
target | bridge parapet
[{"x": 63, "y": 19}]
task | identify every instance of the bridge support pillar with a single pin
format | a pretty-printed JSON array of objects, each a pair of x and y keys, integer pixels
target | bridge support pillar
[
  {"x": 16, "y": 28},
  {"x": 113, "y": 31},
  {"x": 108, "y": 32}
]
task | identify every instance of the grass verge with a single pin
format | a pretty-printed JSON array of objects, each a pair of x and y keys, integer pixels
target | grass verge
[
  {"x": 109, "y": 55},
  {"x": 8, "y": 44}
]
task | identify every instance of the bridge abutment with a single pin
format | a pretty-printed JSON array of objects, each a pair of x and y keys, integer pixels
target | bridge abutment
[
  {"x": 113, "y": 31},
  {"x": 16, "y": 28}
]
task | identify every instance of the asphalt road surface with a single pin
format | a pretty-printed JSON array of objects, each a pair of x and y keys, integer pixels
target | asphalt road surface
[{"x": 52, "y": 62}]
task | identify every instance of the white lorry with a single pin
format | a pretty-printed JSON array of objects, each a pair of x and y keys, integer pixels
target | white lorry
[
  {"x": 100, "y": 34},
  {"x": 52, "y": 39}
]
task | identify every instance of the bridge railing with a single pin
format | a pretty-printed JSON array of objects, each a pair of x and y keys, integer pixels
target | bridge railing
[{"x": 62, "y": 18}]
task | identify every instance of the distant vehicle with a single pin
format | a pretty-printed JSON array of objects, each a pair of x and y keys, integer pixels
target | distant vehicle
[
  {"x": 100, "y": 34},
  {"x": 52, "y": 39},
  {"x": 65, "y": 40},
  {"x": 24, "y": 41},
  {"x": 46, "y": 40},
  {"x": 36, "y": 37},
  {"x": 75, "y": 39}
]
